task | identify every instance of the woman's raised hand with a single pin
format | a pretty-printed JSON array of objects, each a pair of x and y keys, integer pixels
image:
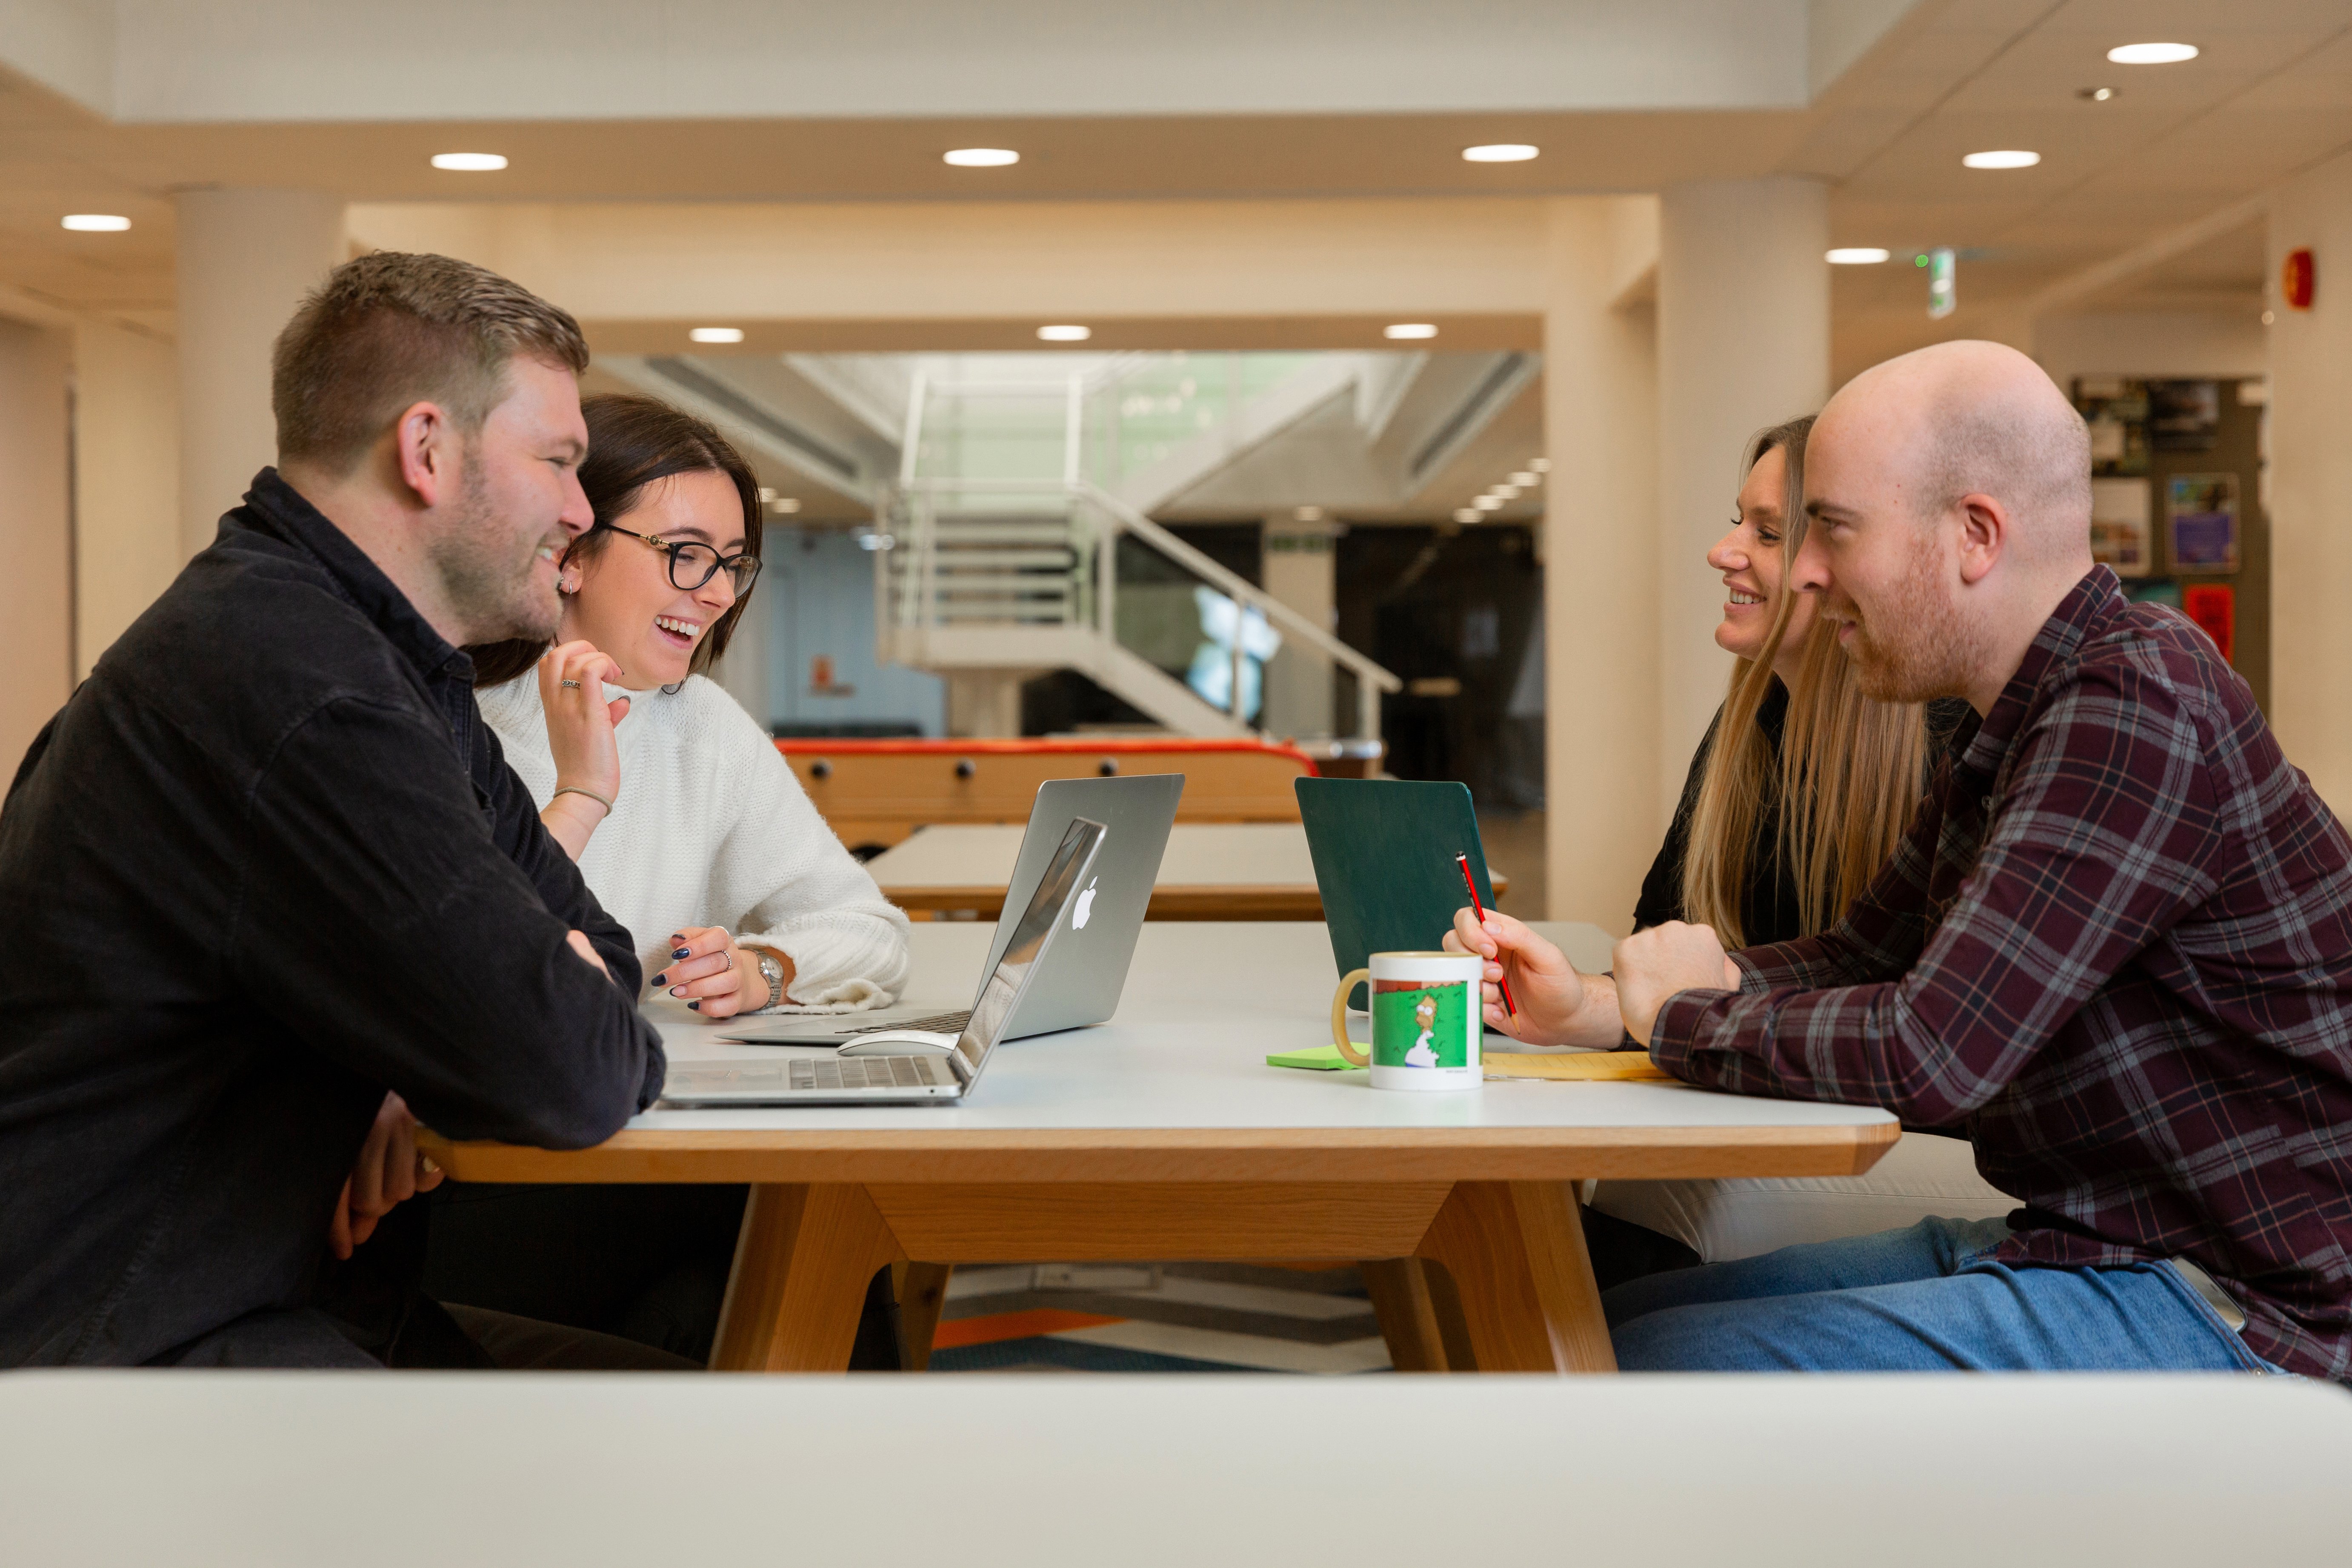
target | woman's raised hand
[
  {"x": 1549, "y": 992},
  {"x": 580, "y": 735},
  {"x": 579, "y": 722}
]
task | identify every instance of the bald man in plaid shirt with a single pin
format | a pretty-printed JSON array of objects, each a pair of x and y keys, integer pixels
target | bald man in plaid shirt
[{"x": 2115, "y": 948}]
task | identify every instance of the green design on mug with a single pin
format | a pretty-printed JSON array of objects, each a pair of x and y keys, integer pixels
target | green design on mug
[{"x": 1422, "y": 1026}]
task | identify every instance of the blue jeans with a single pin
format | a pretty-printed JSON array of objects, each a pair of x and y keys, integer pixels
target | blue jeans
[{"x": 1928, "y": 1298}]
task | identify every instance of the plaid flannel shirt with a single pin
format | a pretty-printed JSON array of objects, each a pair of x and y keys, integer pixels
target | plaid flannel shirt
[{"x": 2116, "y": 948}]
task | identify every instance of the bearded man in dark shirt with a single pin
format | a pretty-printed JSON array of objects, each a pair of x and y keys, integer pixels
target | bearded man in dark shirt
[{"x": 266, "y": 882}]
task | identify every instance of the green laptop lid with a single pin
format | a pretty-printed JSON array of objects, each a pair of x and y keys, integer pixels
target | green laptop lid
[{"x": 1384, "y": 861}]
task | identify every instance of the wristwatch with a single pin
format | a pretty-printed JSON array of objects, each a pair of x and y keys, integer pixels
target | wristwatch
[{"x": 772, "y": 972}]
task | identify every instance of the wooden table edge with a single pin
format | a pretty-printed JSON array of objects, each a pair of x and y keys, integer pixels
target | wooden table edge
[{"x": 1113, "y": 1155}]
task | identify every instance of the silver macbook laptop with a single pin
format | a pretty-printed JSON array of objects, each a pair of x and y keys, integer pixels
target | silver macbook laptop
[
  {"x": 1081, "y": 984},
  {"x": 900, "y": 1066}
]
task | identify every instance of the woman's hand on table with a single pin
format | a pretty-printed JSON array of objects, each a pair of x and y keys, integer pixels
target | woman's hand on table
[
  {"x": 712, "y": 975},
  {"x": 1555, "y": 1002},
  {"x": 587, "y": 754}
]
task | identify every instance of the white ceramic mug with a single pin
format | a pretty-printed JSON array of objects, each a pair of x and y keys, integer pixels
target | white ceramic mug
[{"x": 1426, "y": 1027}]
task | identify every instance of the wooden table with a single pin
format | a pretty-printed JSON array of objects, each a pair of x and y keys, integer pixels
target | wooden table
[
  {"x": 1165, "y": 1135},
  {"x": 1212, "y": 871}
]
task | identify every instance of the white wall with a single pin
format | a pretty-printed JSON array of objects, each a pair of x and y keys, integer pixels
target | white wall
[
  {"x": 126, "y": 480},
  {"x": 2149, "y": 343},
  {"x": 2311, "y": 484},
  {"x": 35, "y": 535}
]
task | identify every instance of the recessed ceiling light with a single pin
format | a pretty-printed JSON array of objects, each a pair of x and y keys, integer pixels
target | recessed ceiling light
[
  {"x": 1499, "y": 153},
  {"x": 1539, "y": 465},
  {"x": 1857, "y": 256},
  {"x": 1065, "y": 333},
  {"x": 1468, "y": 514},
  {"x": 716, "y": 334},
  {"x": 982, "y": 157},
  {"x": 470, "y": 162},
  {"x": 784, "y": 506},
  {"x": 1508, "y": 492},
  {"x": 1527, "y": 482},
  {"x": 2152, "y": 54},
  {"x": 1489, "y": 503},
  {"x": 2096, "y": 94},
  {"x": 94, "y": 223},
  {"x": 1405, "y": 329},
  {"x": 2013, "y": 158}
]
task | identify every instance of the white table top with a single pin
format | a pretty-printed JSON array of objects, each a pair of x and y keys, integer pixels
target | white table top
[
  {"x": 176, "y": 1469},
  {"x": 1200, "y": 855},
  {"x": 1205, "y": 1004}
]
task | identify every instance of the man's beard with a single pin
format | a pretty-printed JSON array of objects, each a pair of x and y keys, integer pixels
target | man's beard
[
  {"x": 488, "y": 577},
  {"x": 1929, "y": 647}
]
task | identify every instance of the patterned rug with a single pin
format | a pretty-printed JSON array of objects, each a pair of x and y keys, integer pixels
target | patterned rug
[{"x": 1163, "y": 1317}]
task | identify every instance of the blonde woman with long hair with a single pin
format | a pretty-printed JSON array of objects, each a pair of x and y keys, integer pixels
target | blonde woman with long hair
[{"x": 1799, "y": 794}]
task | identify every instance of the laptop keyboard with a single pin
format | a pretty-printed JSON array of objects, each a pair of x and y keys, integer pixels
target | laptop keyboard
[
  {"x": 937, "y": 1024},
  {"x": 866, "y": 1072}
]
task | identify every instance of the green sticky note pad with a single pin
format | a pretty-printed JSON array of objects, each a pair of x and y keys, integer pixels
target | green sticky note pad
[{"x": 1314, "y": 1058}]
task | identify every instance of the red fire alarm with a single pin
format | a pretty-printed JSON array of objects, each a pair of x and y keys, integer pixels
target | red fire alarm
[
  {"x": 2297, "y": 279},
  {"x": 2214, "y": 607}
]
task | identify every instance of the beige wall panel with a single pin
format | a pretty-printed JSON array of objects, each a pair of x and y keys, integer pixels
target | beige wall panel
[
  {"x": 1600, "y": 565},
  {"x": 126, "y": 480},
  {"x": 2311, "y": 484},
  {"x": 737, "y": 264},
  {"x": 35, "y": 535}
]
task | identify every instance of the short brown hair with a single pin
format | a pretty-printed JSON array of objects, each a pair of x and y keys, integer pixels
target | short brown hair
[
  {"x": 634, "y": 442},
  {"x": 388, "y": 329}
]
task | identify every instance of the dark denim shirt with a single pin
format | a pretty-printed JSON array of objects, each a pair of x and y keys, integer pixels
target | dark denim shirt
[{"x": 265, "y": 864}]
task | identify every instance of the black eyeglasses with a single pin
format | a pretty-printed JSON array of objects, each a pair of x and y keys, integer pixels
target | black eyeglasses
[{"x": 692, "y": 563}]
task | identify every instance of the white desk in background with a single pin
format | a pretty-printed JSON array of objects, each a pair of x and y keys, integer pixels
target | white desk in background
[
  {"x": 1212, "y": 871},
  {"x": 1164, "y": 1135}
]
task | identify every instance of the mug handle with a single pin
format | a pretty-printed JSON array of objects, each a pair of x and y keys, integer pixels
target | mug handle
[{"x": 1340, "y": 1018}]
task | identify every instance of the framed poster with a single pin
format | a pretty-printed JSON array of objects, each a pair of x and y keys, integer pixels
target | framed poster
[
  {"x": 2116, "y": 407},
  {"x": 2200, "y": 514},
  {"x": 2120, "y": 533}
]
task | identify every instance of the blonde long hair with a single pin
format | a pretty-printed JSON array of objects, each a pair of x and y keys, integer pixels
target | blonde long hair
[{"x": 1850, "y": 771}]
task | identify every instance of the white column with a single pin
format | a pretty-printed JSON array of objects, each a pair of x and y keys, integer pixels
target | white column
[
  {"x": 1301, "y": 571},
  {"x": 246, "y": 259},
  {"x": 2311, "y": 482},
  {"x": 1743, "y": 342},
  {"x": 126, "y": 480},
  {"x": 35, "y": 535},
  {"x": 1600, "y": 719}
]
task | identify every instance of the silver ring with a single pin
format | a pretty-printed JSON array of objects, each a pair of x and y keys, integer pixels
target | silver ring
[{"x": 573, "y": 684}]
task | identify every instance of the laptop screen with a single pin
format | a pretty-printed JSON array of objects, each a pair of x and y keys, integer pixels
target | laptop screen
[{"x": 1030, "y": 934}]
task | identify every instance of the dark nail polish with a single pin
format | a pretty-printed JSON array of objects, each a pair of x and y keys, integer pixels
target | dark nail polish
[
  {"x": 662, "y": 979},
  {"x": 681, "y": 953},
  {"x": 697, "y": 1006}
]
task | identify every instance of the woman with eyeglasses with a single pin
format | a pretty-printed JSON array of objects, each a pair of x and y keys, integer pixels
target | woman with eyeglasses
[
  {"x": 687, "y": 824},
  {"x": 691, "y": 831}
]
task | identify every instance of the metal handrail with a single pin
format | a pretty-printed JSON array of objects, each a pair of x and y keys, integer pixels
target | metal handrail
[{"x": 920, "y": 497}]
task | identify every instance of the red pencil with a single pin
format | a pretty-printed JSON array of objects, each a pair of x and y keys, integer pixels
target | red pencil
[{"x": 1479, "y": 909}]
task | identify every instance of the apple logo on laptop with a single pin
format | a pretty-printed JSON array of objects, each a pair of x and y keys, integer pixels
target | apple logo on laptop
[{"x": 1083, "y": 910}]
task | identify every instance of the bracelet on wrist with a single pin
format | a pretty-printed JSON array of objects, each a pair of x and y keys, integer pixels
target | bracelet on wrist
[{"x": 575, "y": 789}]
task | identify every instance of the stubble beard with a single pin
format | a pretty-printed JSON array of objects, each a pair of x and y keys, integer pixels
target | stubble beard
[
  {"x": 1929, "y": 649},
  {"x": 490, "y": 578}
]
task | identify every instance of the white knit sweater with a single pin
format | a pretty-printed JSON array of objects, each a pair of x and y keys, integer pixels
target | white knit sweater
[{"x": 710, "y": 829}]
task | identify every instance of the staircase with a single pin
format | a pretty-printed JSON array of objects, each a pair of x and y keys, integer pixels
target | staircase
[{"x": 1002, "y": 560}]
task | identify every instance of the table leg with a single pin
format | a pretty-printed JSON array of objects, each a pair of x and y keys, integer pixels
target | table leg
[
  {"x": 1515, "y": 1253},
  {"x": 802, "y": 1263},
  {"x": 922, "y": 1295},
  {"x": 1399, "y": 1288}
]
